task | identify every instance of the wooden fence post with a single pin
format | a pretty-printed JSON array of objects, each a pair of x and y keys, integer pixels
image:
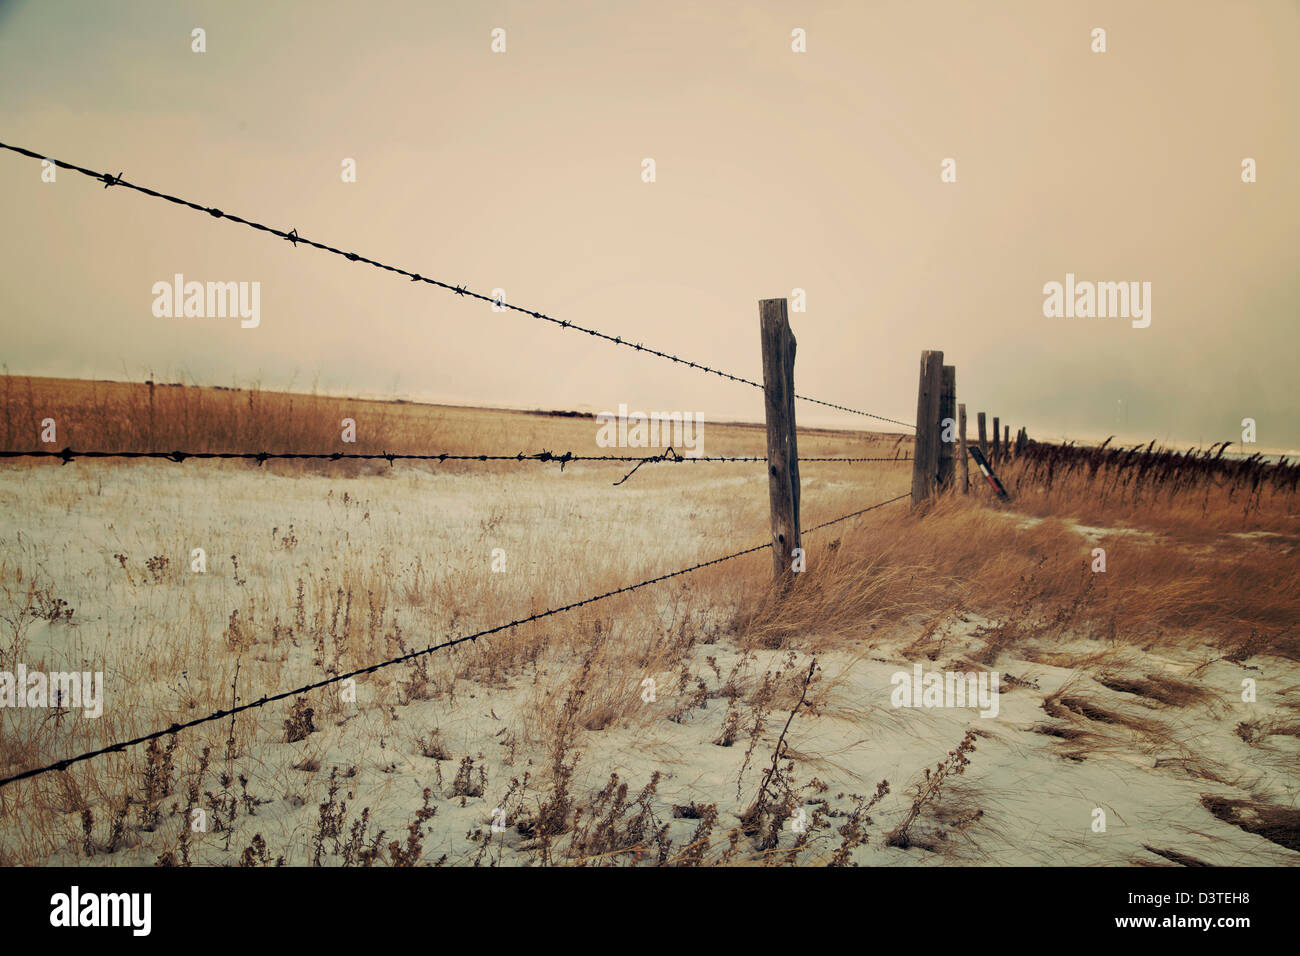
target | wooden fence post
[
  {"x": 925, "y": 455},
  {"x": 961, "y": 448},
  {"x": 1006, "y": 441},
  {"x": 947, "y": 426},
  {"x": 984, "y": 442},
  {"x": 997, "y": 441},
  {"x": 782, "y": 446}
]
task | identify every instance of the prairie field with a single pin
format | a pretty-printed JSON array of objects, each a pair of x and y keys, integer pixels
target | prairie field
[{"x": 1147, "y": 708}]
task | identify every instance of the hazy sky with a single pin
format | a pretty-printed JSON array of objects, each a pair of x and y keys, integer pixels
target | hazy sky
[{"x": 775, "y": 170}]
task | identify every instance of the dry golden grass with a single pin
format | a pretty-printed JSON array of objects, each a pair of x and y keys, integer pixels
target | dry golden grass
[
  {"x": 133, "y": 416},
  {"x": 1193, "y": 492},
  {"x": 1034, "y": 579}
]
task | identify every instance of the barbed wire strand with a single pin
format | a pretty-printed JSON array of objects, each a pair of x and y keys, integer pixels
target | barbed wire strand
[
  {"x": 69, "y": 454},
  {"x": 827, "y": 524},
  {"x": 372, "y": 668},
  {"x": 108, "y": 179}
]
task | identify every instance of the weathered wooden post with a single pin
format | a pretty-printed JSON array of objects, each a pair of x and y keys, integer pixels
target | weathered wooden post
[
  {"x": 1006, "y": 441},
  {"x": 782, "y": 445},
  {"x": 925, "y": 455},
  {"x": 961, "y": 448},
  {"x": 997, "y": 444},
  {"x": 947, "y": 426},
  {"x": 984, "y": 441}
]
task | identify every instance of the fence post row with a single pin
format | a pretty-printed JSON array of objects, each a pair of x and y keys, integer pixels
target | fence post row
[
  {"x": 782, "y": 447},
  {"x": 925, "y": 455}
]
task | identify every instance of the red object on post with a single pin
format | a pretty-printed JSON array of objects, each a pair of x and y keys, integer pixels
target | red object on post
[{"x": 987, "y": 471}]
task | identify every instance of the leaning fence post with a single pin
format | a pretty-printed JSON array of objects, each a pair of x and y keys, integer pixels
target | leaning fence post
[
  {"x": 984, "y": 441},
  {"x": 925, "y": 455},
  {"x": 947, "y": 426},
  {"x": 782, "y": 446},
  {"x": 961, "y": 448}
]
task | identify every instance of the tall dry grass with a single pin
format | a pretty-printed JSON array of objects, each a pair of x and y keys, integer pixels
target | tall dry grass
[
  {"x": 154, "y": 416},
  {"x": 1216, "y": 562},
  {"x": 158, "y": 416},
  {"x": 1155, "y": 487}
]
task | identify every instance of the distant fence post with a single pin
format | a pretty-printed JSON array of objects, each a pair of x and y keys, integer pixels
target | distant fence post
[
  {"x": 961, "y": 448},
  {"x": 925, "y": 456},
  {"x": 782, "y": 447},
  {"x": 947, "y": 426},
  {"x": 997, "y": 440},
  {"x": 984, "y": 441}
]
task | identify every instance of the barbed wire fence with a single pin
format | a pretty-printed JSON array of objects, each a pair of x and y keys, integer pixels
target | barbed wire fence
[{"x": 67, "y": 455}]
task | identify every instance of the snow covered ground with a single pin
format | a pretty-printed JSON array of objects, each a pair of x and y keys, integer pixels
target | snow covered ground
[{"x": 313, "y": 573}]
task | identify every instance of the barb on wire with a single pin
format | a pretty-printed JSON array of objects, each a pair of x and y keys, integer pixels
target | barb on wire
[
  {"x": 294, "y": 238},
  {"x": 669, "y": 455},
  {"x": 372, "y": 668}
]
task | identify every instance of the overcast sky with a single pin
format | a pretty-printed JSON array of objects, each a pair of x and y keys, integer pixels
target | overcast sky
[{"x": 775, "y": 170}]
